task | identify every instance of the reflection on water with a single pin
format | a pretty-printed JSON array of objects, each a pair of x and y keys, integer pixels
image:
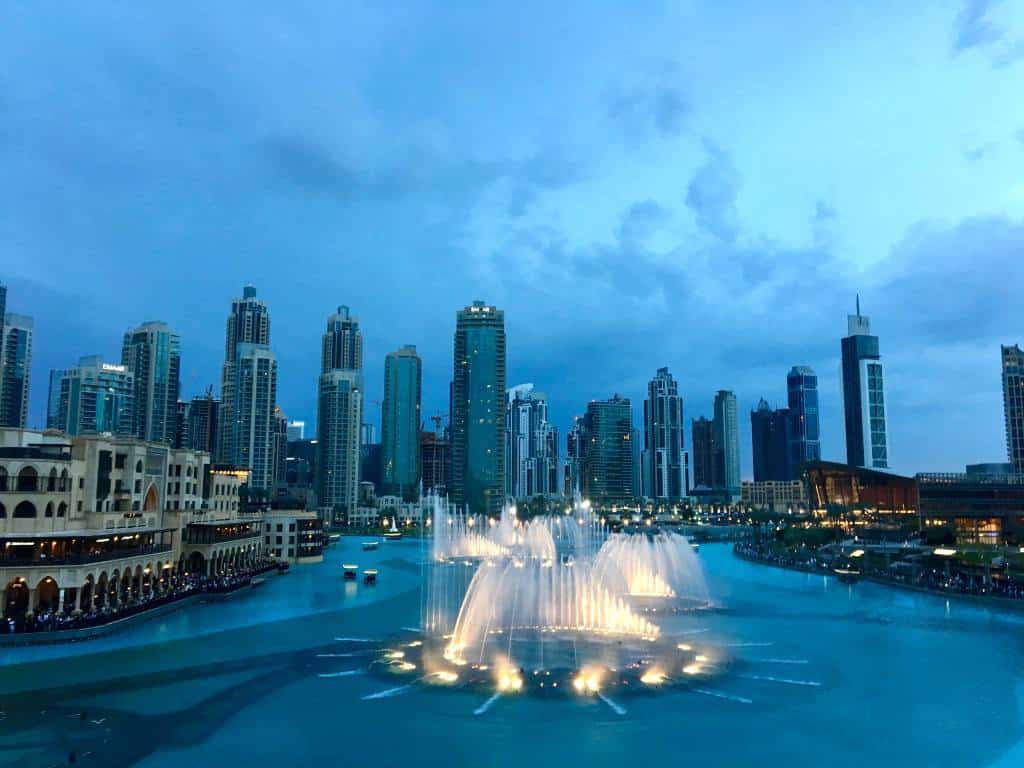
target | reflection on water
[{"x": 829, "y": 675}]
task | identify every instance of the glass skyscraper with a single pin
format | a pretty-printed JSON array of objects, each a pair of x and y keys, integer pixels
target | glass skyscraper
[
  {"x": 770, "y": 432},
  {"x": 805, "y": 434},
  {"x": 725, "y": 443},
  {"x": 248, "y": 323},
  {"x": 340, "y": 414},
  {"x": 664, "y": 470},
  {"x": 478, "y": 409},
  {"x": 15, "y": 369},
  {"x": 203, "y": 420},
  {"x": 1013, "y": 404},
  {"x": 700, "y": 436},
  {"x": 95, "y": 397},
  {"x": 608, "y": 459},
  {"x": 864, "y": 407},
  {"x": 400, "y": 422},
  {"x": 152, "y": 353}
]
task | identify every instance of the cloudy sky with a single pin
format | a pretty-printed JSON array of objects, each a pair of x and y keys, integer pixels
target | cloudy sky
[{"x": 702, "y": 185}]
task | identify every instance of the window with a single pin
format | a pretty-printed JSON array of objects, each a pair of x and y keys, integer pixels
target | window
[
  {"x": 28, "y": 480},
  {"x": 119, "y": 460},
  {"x": 138, "y": 466},
  {"x": 280, "y": 528},
  {"x": 277, "y": 542},
  {"x": 291, "y": 527},
  {"x": 291, "y": 553},
  {"x": 25, "y": 509}
]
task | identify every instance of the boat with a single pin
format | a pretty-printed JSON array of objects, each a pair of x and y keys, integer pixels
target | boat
[
  {"x": 334, "y": 538},
  {"x": 370, "y": 576},
  {"x": 392, "y": 535},
  {"x": 847, "y": 574},
  {"x": 369, "y": 546},
  {"x": 257, "y": 581},
  {"x": 283, "y": 567},
  {"x": 349, "y": 572}
]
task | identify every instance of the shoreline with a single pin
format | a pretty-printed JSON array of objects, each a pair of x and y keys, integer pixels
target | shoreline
[{"x": 1016, "y": 606}]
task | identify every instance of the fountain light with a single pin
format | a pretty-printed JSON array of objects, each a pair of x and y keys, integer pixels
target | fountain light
[
  {"x": 700, "y": 657},
  {"x": 692, "y": 669},
  {"x": 395, "y": 655},
  {"x": 445, "y": 676},
  {"x": 653, "y": 677},
  {"x": 509, "y": 681},
  {"x": 684, "y": 647}
]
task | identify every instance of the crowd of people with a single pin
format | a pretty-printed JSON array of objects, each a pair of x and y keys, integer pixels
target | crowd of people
[
  {"x": 925, "y": 575},
  {"x": 180, "y": 587}
]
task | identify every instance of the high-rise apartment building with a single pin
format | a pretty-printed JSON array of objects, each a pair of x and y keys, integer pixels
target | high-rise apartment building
[
  {"x": 1013, "y": 404},
  {"x": 340, "y": 414},
  {"x": 248, "y": 323},
  {"x": 15, "y": 369},
  {"x": 805, "y": 435},
  {"x": 531, "y": 445},
  {"x": 770, "y": 432},
  {"x": 864, "y": 407},
  {"x": 478, "y": 409},
  {"x": 725, "y": 443},
  {"x": 95, "y": 397},
  {"x": 203, "y": 421},
  {"x": 400, "y": 423},
  {"x": 251, "y": 435},
  {"x": 700, "y": 437},
  {"x": 575, "y": 451},
  {"x": 608, "y": 462},
  {"x": 663, "y": 462},
  {"x": 152, "y": 353}
]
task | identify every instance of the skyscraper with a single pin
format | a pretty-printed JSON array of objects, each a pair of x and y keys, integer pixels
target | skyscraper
[
  {"x": 1013, "y": 405},
  {"x": 805, "y": 433},
  {"x": 664, "y": 475},
  {"x": 700, "y": 435},
  {"x": 575, "y": 449},
  {"x": 478, "y": 409},
  {"x": 248, "y": 323},
  {"x": 152, "y": 353},
  {"x": 94, "y": 397},
  {"x": 15, "y": 370},
  {"x": 296, "y": 430},
  {"x": 531, "y": 445},
  {"x": 725, "y": 444},
  {"x": 203, "y": 422},
  {"x": 279, "y": 442},
  {"x": 340, "y": 414},
  {"x": 400, "y": 422},
  {"x": 435, "y": 459},
  {"x": 53, "y": 399},
  {"x": 249, "y": 438},
  {"x": 864, "y": 408},
  {"x": 771, "y": 437},
  {"x": 608, "y": 461}
]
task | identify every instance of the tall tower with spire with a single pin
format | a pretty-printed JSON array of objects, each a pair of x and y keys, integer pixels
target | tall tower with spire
[{"x": 865, "y": 413}]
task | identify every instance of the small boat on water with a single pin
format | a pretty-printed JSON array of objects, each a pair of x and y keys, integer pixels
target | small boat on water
[
  {"x": 392, "y": 535},
  {"x": 370, "y": 576},
  {"x": 847, "y": 574},
  {"x": 369, "y": 546},
  {"x": 283, "y": 567},
  {"x": 257, "y": 581},
  {"x": 334, "y": 538},
  {"x": 349, "y": 572}
]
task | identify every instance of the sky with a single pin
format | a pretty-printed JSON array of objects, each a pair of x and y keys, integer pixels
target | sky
[{"x": 699, "y": 185}]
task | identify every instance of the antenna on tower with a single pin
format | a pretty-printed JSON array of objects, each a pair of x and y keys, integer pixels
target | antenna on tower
[{"x": 858, "y": 305}]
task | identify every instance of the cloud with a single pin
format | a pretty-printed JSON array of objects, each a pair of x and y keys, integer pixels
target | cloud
[
  {"x": 712, "y": 191},
  {"x": 661, "y": 109},
  {"x": 973, "y": 28}
]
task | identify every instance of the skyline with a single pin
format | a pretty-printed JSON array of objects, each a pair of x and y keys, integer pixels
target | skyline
[{"x": 616, "y": 204}]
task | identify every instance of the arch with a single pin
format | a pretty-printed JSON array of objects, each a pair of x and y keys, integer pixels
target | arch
[
  {"x": 25, "y": 509},
  {"x": 101, "y": 590},
  {"x": 138, "y": 466},
  {"x": 51, "y": 482},
  {"x": 28, "y": 479},
  {"x": 3, "y": 479},
  {"x": 49, "y": 509},
  {"x": 64, "y": 479},
  {"x": 62, "y": 509},
  {"x": 47, "y": 595},
  {"x": 86, "y": 594},
  {"x": 16, "y": 599},
  {"x": 3, "y": 510},
  {"x": 152, "y": 502},
  {"x": 196, "y": 564}
]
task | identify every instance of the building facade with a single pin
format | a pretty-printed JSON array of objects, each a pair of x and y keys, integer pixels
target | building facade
[
  {"x": 1013, "y": 404},
  {"x": 864, "y": 406},
  {"x": 251, "y": 435},
  {"x": 95, "y": 396},
  {"x": 340, "y": 415},
  {"x": 531, "y": 445},
  {"x": 152, "y": 353},
  {"x": 725, "y": 444},
  {"x": 663, "y": 459},
  {"x": 203, "y": 423},
  {"x": 400, "y": 423},
  {"x": 771, "y": 437},
  {"x": 15, "y": 369},
  {"x": 774, "y": 495},
  {"x": 248, "y": 323},
  {"x": 805, "y": 434},
  {"x": 608, "y": 457},
  {"x": 575, "y": 450},
  {"x": 435, "y": 461},
  {"x": 700, "y": 436},
  {"x": 478, "y": 410}
]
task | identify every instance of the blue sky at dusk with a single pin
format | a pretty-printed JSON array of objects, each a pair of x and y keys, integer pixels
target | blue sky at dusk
[{"x": 702, "y": 185}]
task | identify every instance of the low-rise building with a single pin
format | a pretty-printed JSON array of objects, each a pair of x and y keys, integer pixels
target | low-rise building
[
  {"x": 774, "y": 495},
  {"x": 293, "y": 535},
  {"x": 100, "y": 520},
  {"x": 979, "y": 508}
]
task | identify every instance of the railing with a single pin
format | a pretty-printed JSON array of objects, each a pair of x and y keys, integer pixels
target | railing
[{"x": 83, "y": 558}]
